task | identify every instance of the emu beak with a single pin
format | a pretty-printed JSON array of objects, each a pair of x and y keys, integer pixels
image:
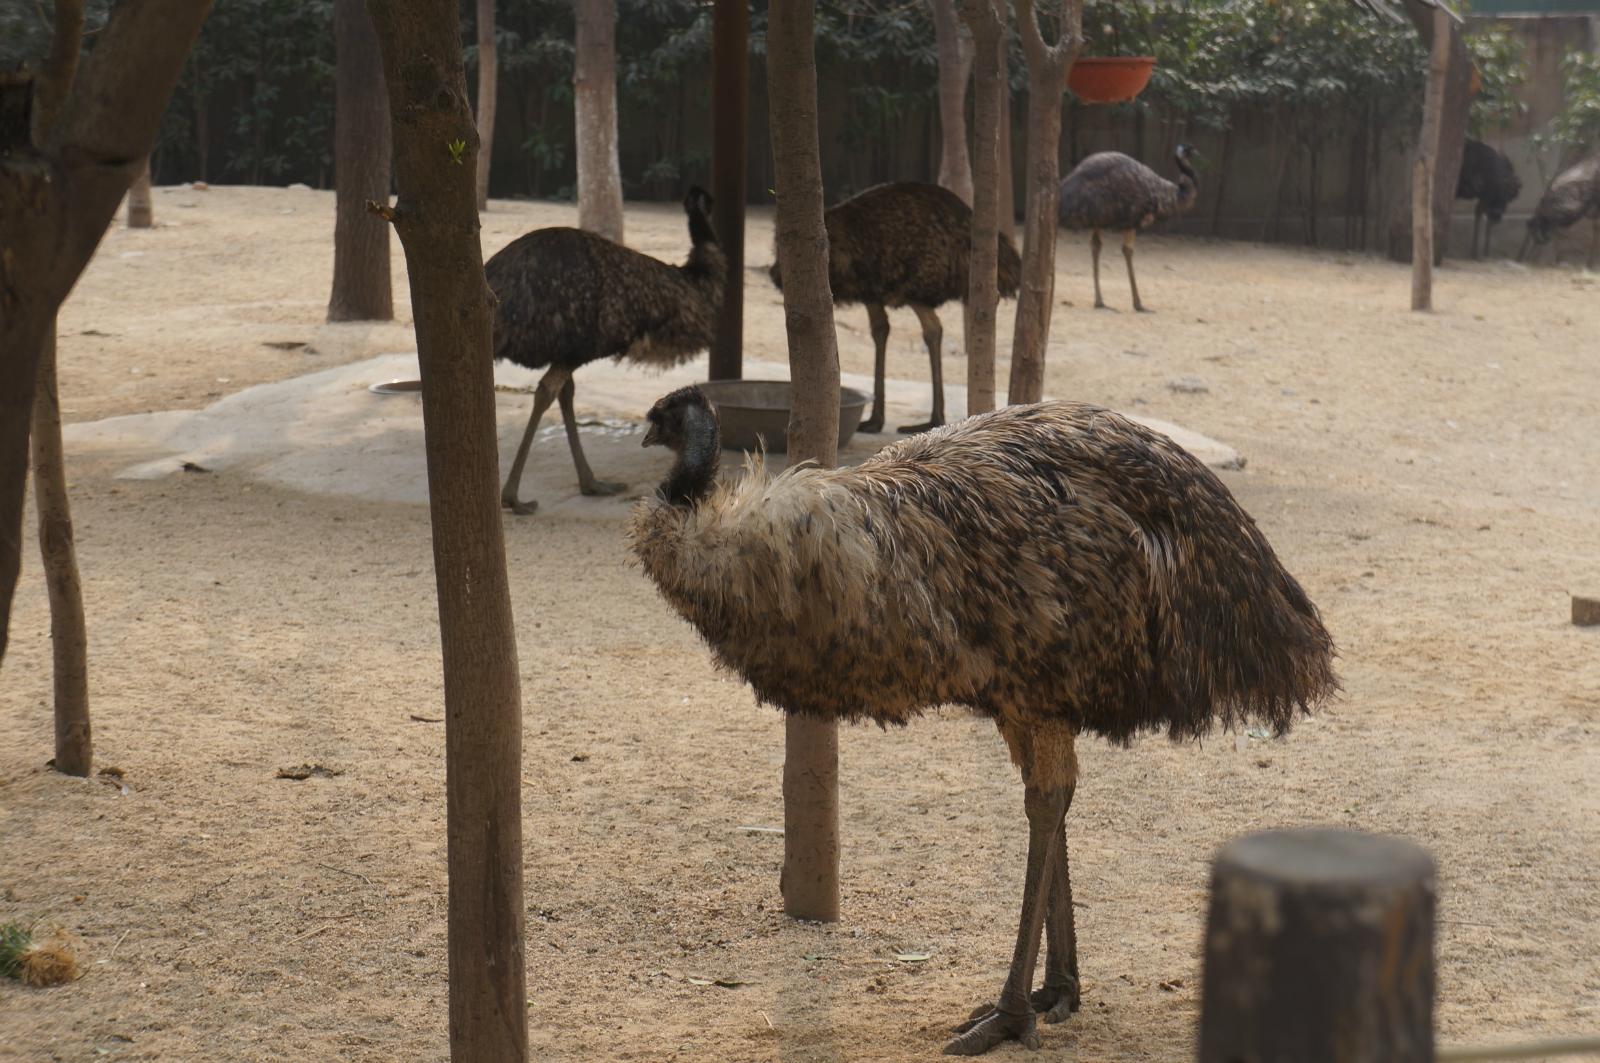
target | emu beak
[{"x": 651, "y": 439}]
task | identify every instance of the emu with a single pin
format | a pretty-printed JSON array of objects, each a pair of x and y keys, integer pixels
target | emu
[
  {"x": 905, "y": 244},
  {"x": 566, "y": 297},
  {"x": 1571, "y": 197},
  {"x": 1055, "y": 567},
  {"x": 1109, "y": 190},
  {"x": 1488, "y": 177}
]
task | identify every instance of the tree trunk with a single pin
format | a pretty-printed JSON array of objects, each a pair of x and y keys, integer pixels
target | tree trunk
[
  {"x": 59, "y": 188},
  {"x": 69, "y": 640},
  {"x": 1424, "y": 188},
  {"x": 1447, "y": 143},
  {"x": 594, "y": 97},
  {"x": 986, "y": 19},
  {"x": 141, "y": 215},
  {"x": 488, "y": 74},
  {"x": 362, "y": 290},
  {"x": 1319, "y": 949},
  {"x": 810, "y": 881},
  {"x": 1047, "y": 80},
  {"x": 436, "y": 217},
  {"x": 1006, "y": 205},
  {"x": 955, "y": 70},
  {"x": 730, "y": 120}
]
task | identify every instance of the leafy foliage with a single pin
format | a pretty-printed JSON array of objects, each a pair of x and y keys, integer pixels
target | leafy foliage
[{"x": 1576, "y": 127}]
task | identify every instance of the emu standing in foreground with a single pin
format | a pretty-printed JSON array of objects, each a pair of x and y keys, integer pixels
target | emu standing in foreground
[
  {"x": 567, "y": 297},
  {"x": 905, "y": 244},
  {"x": 1487, "y": 176},
  {"x": 1572, "y": 196},
  {"x": 1109, "y": 190},
  {"x": 1055, "y": 567}
]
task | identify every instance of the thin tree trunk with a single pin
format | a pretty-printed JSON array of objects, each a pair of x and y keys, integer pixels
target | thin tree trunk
[
  {"x": 362, "y": 289},
  {"x": 69, "y": 640},
  {"x": 1047, "y": 80},
  {"x": 488, "y": 75},
  {"x": 985, "y": 18},
  {"x": 730, "y": 121},
  {"x": 1222, "y": 178},
  {"x": 810, "y": 881},
  {"x": 141, "y": 215},
  {"x": 436, "y": 217},
  {"x": 1423, "y": 186},
  {"x": 1006, "y": 205},
  {"x": 594, "y": 97},
  {"x": 955, "y": 70}
]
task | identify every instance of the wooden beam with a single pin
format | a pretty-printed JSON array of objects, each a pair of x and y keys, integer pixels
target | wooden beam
[{"x": 730, "y": 112}]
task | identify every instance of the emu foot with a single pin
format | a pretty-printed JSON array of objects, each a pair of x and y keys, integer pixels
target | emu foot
[
  {"x": 521, "y": 509},
  {"x": 1098, "y": 305},
  {"x": 872, "y": 424},
  {"x": 1140, "y": 308},
  {"x": 1054, "y": 1002},
  {"x": 601, "y": 488},
  {"x": 990, "y": 1026},
  {"x": 913, "y": 429}
]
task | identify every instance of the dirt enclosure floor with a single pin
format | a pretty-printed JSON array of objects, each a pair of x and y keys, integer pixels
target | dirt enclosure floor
[{"x": 1434, "y": 480}]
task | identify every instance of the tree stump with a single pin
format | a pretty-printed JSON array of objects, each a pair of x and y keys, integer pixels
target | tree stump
[
  {"x": 1585, "y": 611},
  {"x": 1319, "y": 949}
]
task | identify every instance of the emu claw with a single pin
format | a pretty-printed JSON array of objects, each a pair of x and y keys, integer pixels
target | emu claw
[
  {"x": 601, "y": 488},
  {"x": 913, "y": 429},
  {"x": 872, "y": 424},
  {"x": 1056, "y": 1003},
  {"x": 990, "y": 1026},
  {"x": 521, "y": 509}
]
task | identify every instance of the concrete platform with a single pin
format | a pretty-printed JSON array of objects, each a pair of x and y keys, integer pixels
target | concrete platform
[{"x": 326, "y": 433}]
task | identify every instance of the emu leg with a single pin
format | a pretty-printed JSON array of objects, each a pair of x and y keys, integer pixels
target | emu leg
[
  {"x": 543, "y": 396},
  {"x": 878, "y": 321},
  {"x": 586, "y": 481},
  {"x": 1488, "y": 236},
  {"x": 1012, "y": 1016},
  {"x": 1127, "y": 253},
  {"x": 1594, "y": 245},
  {"x": 1094, "y": 251},
  {"x": 933, "y": 337},
  {"x": 1059, "y": 997}
]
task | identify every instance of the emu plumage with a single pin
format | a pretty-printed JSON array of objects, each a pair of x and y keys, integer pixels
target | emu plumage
[
  {"x": 1110, "y": 190},
  {"x": 1571, "y": 197},
  {"x": 1055, "y": 567},
  {"x": 905, "y": 244},
  {"x": 1488, "y": 177}
]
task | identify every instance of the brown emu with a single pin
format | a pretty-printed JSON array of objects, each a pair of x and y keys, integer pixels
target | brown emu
[
  {"x": 1109, "y": 190},
  {"x": 1488, "y": 177},
  {"x": 905, "y": 244},
  {"x": 1571, "y": 197},
  {"x": 567, "y": 297},
  {"x": 1055, "y": 567}
]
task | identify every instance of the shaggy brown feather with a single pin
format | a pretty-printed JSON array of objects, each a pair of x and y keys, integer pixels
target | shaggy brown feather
[{"x": 1054, "y": 562}]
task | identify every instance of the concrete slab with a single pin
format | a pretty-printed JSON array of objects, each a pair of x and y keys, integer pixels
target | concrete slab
[{"x": 327, "y": 433}]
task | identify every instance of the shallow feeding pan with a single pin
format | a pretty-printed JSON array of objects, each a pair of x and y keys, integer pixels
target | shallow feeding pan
[
  {"x": 753, "y": 412},
  {"x": 397, "y": 387}
]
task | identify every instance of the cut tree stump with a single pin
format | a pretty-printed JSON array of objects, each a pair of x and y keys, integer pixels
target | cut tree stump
[
  {"x": 1585, "y": 611},
  {"x": 1319, "y": 949}
]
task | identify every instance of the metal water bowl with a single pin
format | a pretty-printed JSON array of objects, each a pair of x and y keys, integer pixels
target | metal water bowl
[
  {"x": 754, "y": 413},
  {"x": 397, "y": 387}
]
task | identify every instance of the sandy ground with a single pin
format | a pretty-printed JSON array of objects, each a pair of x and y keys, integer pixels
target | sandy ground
[{"x": 1434, "y": 480}]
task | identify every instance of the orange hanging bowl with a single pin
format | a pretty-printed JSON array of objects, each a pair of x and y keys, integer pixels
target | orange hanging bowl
[{"x": 1110, "y": 78}]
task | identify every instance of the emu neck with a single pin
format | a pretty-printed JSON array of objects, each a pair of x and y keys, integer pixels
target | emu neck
[
  {"x": 1188, "y": 185},
  {"x": 706, "y": 260},
  {"x": 695, "y": 471}
]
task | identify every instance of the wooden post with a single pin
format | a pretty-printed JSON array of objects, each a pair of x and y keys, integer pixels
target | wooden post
[
  {"x": 730, "y": 79},
  {"x": 1422, "y": 183},
  {"x": 1319, "y": 949}
]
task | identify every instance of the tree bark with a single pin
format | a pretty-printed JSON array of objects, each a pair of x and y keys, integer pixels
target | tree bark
[
  {"x": 436, "y": 217},
  {"x": 1424, "y": 188},
  {"x": 488, "y": 76},
  {"x": 810, "y": 880},
  {"x": 955, "y": 70},
  {"x": 69, "y": 640},
  {"x": 362, "y": 290},
  {"x": 594, "y": 97},
  {"x": 1048, "y": 66},
  {"x": 985, "y": 18},
  {"x": 59, "y": 188},
  {"x": 730, "y": 49},
  {"x": 1006, "y": 203},
  {"x": 1319, "y": 949},
  {"x": 141, "y": 214}
]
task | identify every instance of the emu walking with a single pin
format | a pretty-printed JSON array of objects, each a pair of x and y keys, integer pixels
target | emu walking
[
  {"x": 567, "y": 297},
  {"x": 905, "y": 244},
  {"x": 1055, "y": 567},
  {"x": 1487, "y": 176},
  {"x": 1109, "y": 190},
  {"x": 1572, "y": 196}
]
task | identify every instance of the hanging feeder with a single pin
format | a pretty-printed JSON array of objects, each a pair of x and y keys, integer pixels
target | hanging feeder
[{"x": 1110, "y": 78}]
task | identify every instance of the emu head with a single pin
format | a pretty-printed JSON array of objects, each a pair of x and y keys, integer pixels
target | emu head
[
  {"x": 678, "y": 417},
  {"x": 1187, "y": 152},
  {"x": 697, "y": 204},
  {"x": 697, "y": 201}
]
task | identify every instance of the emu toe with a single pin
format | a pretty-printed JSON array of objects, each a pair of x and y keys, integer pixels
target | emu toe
[
  {"x": 602, "y": 487},
  {"x": 913, "y": 429},
  {"x": 1053, "y": 1003},
  {"x": 989, "y": 1027},
  {"x": 872, "y": 424},
  {"x": 521, "y": 509}
]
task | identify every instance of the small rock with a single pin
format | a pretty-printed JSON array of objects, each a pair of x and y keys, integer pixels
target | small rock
[
  {"x": 1585, "y": 611},
  {"x": 299, "y": 187},
  {"x": 1188, "y": 385}
]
